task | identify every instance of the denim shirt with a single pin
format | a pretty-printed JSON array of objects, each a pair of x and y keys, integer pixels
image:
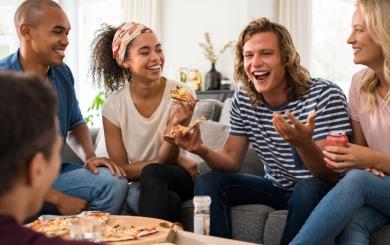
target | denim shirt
[{"x": 69, "y": 113}]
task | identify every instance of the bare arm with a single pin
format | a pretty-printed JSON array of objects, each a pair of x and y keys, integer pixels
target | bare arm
[
  {"x": 65, "y": 204},
  {"x": 81, "y": 139},
  {"x": 357, "y": 155},
  {"x": 229, "y": 158},
  {"x": 300, "y": 136},
  {"x": 117, "y": 152}
]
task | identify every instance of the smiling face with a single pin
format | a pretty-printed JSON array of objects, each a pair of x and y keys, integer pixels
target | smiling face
[
  {"x": 263, "y": 66},
  {"x": 48, "y": 39},
  {"x": 145, "y": 58},
  {"x": 365, "y": 50}
]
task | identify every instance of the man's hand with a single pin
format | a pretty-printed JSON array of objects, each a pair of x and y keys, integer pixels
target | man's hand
[
  {"x": 295, "y": 132},
  {"x": 94, "y": 162},
  {"x": 191, "y": 141},
  {"x": 69, "y": 205}
]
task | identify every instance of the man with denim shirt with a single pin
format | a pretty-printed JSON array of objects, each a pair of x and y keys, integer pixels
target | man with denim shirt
[{"x": 42, "y": 28}]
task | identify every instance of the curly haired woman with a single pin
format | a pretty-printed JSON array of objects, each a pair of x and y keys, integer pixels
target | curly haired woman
[{"x": 128, "y": 61}]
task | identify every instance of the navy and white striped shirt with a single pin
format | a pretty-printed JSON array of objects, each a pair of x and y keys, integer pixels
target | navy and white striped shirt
[{"x": 282, "y": 164}]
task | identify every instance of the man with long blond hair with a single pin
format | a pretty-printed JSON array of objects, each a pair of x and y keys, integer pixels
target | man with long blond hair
[
  {"x": 359, "y": 204},
  {"x": 285, "y": 115}
]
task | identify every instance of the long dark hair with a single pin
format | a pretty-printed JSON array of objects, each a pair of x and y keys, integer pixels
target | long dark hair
[{"x": 104, "y": 69}]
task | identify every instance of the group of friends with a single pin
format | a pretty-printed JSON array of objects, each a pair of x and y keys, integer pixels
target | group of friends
[{"x": 330, "y": 192}]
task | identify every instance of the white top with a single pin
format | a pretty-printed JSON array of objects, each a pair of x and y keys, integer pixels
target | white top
[
  {"x": 375, "y": 122},
  {"x": 142, "y": 137}
]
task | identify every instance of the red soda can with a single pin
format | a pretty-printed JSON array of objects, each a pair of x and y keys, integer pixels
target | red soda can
[{"x": 337, "y": 139}]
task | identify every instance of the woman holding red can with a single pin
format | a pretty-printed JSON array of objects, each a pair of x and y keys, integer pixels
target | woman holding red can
[{"x": 359, "y": 204}]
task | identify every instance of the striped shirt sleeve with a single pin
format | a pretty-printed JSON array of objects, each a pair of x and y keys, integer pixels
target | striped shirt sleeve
[{"x": 236, "y": 125}]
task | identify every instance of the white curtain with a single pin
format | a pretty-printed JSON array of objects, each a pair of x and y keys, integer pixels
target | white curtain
[
  {"x": 295, "y": 15},
  {"x": 147, "y": 12}
]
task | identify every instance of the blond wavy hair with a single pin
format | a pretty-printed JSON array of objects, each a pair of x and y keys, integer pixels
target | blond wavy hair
[
  {"x": 297, "y": 76},
  {"x": 376, "y": 14}
]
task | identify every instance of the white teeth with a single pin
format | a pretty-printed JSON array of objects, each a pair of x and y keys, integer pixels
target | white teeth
[
  {"x": 259, "y": 73},
  {"x": 155, "y": 67},
  {"x": 355, "y": 50},
  {"x": 60, "y": 51}
]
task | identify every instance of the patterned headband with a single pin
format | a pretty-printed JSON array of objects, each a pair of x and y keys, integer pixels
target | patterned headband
[{"x": 123, "y": 36}]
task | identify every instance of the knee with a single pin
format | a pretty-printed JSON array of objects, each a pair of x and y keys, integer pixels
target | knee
[
  {"x": 113, "y": 183},
  {"x": 152, "y": 171},
  {"x": 207, "y": 183},
  {"x": 355, "y": 177}
]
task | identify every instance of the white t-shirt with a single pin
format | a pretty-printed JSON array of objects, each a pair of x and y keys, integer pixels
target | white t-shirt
[{"x": 142, "y": 137}]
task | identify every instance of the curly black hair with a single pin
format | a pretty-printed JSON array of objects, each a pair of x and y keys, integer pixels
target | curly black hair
[{"x": 104, "y": 69}]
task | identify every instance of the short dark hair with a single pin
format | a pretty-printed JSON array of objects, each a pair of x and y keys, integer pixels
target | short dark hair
[
  {"x": 28, "y": 109},
  {"x": 30, "y": 11}
]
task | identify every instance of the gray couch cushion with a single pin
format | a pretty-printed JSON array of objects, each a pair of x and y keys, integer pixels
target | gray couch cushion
[
  {"x": 248, "y": 221},
  {"x": 225, "y": 113},
  {"x": 274, "y": 227},
  {"x": 210, "y": 108}
]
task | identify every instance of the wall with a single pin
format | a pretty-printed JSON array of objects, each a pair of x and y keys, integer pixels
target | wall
[{"x": 185, "y": 22}]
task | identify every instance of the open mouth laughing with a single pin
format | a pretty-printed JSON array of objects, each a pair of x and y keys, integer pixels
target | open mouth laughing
[{"x": 260, "y": 75}]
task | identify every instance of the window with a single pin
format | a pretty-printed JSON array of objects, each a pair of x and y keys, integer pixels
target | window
[
  {"x": 8, "y": 39},
  {"x": 331, "y": 56},
  {"x": 86, "y": 16}
]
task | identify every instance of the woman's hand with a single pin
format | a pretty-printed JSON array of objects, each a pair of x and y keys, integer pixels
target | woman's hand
[
  {"x": 295, "y": 132},
  {"x": 345, "y": 158},
  {"x": 189, "y": 165},
  {"x": 181, "y": 112}
]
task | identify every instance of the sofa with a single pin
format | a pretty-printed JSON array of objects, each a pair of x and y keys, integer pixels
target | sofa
[{"x": 251, "y": 223}]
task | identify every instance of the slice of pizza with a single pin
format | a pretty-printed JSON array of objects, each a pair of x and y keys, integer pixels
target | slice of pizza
[
  {"x": 55, "y": 227},
  {"x": 115, "y": 233},
  {"x": 181, "y": 93},
  {"x": 102, "y": 216},
  {"x": 183, "y": 129},
  {"x": 145, "y": 231}
]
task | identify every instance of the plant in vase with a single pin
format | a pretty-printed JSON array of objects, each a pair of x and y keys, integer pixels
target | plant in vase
[
  {"x": 213, "y": 77},
  {"x": 94, "y": 110}
]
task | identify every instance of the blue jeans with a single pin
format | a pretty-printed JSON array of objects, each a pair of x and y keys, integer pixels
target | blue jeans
[
  {"x": 133, "y": 198},
  {"x": 102, "y": 191},
  {"x": 231, "y": 189},
  {"x": 358, "y": 204}
]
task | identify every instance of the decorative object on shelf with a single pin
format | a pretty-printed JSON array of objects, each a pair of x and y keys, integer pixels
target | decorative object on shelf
[
  {"x": 182, "y": 75},
  {"x": 194, "y": 79},
  {"x": 213, "y": 77}
]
